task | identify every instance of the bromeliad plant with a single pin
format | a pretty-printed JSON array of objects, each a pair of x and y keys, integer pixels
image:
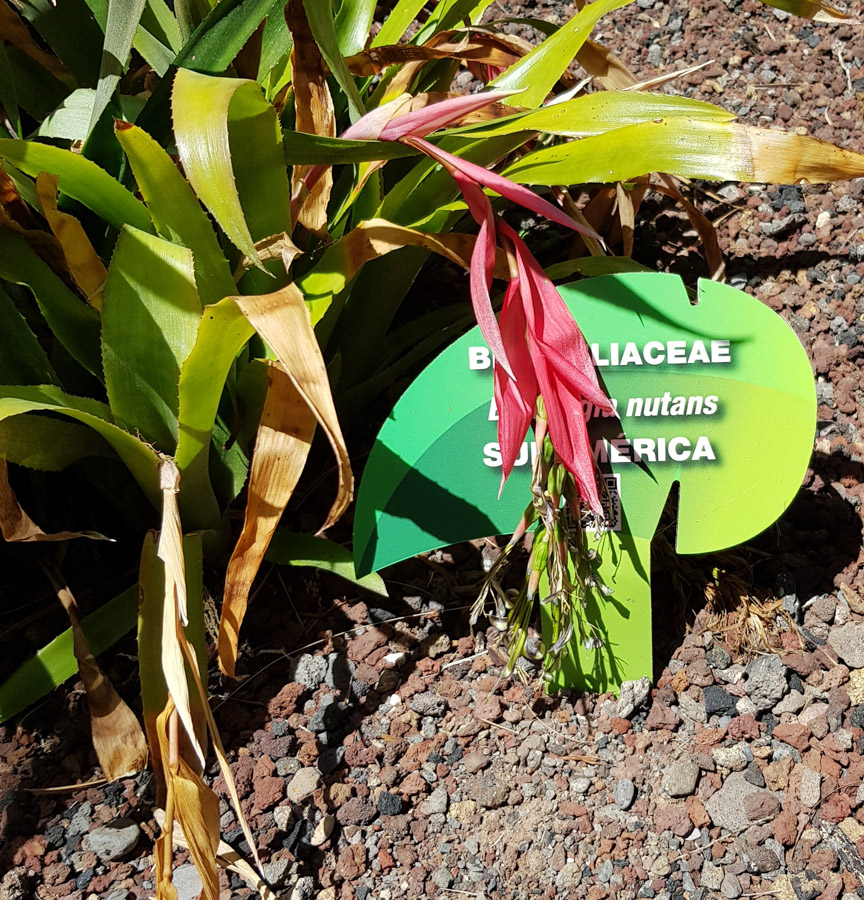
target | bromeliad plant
[{"x": 200, "y": 258}]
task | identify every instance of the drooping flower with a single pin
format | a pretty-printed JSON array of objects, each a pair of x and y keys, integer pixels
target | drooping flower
[{"x": 538, "y": 347}]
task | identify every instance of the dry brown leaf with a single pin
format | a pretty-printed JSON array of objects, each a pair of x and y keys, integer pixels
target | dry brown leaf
[
  {"x": 227, "y": 857},
  {"x": 626, "y": 218},
  {"x": 17, "y": 527},
  {"x": 174, "y": 614},
  {"x": 87, "y": 269},
  {"x": 703, "y": 226},
  {"x": 117, "y": 735},
  {"x": 314, "y": 115},
  {"x": 277, "y": 246},
  {"x": 492, "y": 49},
  {"x": 282, "y": 319},
  {"x": 195, "y": 808},
  {"x": 604, "y": 66},
  {"x": 281, "y": 448},
  {"x": 15, "y": 209},
  {"x": 377, "y": 237}
]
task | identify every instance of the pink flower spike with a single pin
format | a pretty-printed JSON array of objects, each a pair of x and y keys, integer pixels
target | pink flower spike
[
  {"x": 371, "y": 126},
  {"x": 503, "y": 186},
  {"x": 482, "y": 267},
  {"x": 424, "y": 121}
]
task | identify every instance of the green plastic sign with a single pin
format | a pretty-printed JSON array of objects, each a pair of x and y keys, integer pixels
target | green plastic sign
[{"x": 717, "y": 396}]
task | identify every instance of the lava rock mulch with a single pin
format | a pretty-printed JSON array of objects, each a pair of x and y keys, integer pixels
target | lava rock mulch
[{"x": 378, "y": 752}]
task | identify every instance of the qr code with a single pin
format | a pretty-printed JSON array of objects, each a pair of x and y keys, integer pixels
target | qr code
[{"x": 610, "y": 496}]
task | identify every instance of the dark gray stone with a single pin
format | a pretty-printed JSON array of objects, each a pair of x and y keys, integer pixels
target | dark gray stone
[
  {"x": 389, "y": 804},
  {"x": 717, "y": 701}
]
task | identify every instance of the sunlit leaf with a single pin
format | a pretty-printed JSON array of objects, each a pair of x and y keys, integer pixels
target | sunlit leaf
[
  {"x": 81, "y": 179},
  {"x": 149, "y": 325},
  {"x": 535, "y": 74},
  {"x": 715, "y": 151},
  {"x": 596, "y": 114},
  {"x": 222, "y": 333},
  {"x": 70, "y": 120},
  {"x": 282, "y": 320},
  {"x": 353, "y": 23},
  {"x": 397, "y": 21},
  {"x": 87, "y": 269},
  {"x": 281, "y": 448},
  {"x": 177, "y": 214},
  {"x": 448, "y": 14},
  {"x": 122, "y": 22},
  {"x": 204, "y": 108}
]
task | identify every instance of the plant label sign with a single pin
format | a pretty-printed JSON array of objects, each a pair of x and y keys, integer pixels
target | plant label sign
[{"x": 716, "y": 396}]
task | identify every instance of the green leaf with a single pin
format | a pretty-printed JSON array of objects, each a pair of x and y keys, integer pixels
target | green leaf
[
  {"x": 140, "y": 459},
  {"x": 73, "y": 322},
  {"x": 71, "y": 31},
  {"x": 536, "y": 74},
  {"x": 56, "y": 663},
  {"x": 302, "y": 149},
  {"x": 292, "y": 549},
  {"x": 81, "y": 180},
  {"x": 71, "y": 119},
  {"x": 320, "y": 16},
  {"x": 210, "y": 49},
  {"x": 222, "y": 333},
  {"x": 37, "y": 90},
  {"x": 120, "y": 27},
  {"x": 353, "y": 23},
  {"x": 715, "y": 151},
  {"x": 155, "y": 53},
  {"x": 276, "y": 41},
  {"x": 598, "y": 113},
  {"x": 397, "y": 22},
  {"x": 420, "y": 340},
  {"x": 161, "y": 23},
  {"x": 229, "y": 142},
  {"x": 150, "y": 318},
  {"x": 449, "y": 14},
  {"x": 176, "y": 212},
  {"x": 190, "y": 14},
  {"x": 48, "y": 444},
  {"x": 22, "y": 359},
  {"x": 428, "y": 188}
]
